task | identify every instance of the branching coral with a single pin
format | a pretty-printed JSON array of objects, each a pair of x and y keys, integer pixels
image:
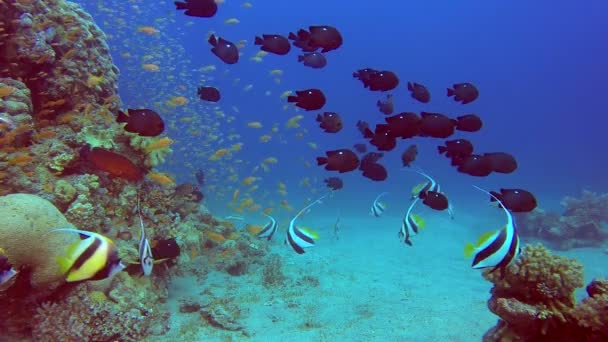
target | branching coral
[{"x": 535, "y": 300}]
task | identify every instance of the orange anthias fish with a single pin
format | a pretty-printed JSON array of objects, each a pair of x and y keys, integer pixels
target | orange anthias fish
[{"x": 113, "y": 163}]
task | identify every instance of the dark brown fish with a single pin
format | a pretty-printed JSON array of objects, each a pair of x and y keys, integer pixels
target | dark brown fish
[
  {"x": 343, "y": 160},
  {"x": 210, "y": 94},
  {"x": 224, "y": 50},
  {"x": 386, "y": 106},
  {"x": 409, "y": 155},
  {"x": 334, "y": 183},
  {"x": 315, "y": 60},
  {"x": 197, "y": 8},
  {"x": 516, "y": 200},
  {"x": 456, "y": 148},
  {"x": 382, "y": 81},
  {"x": 325, "y": 37},
  {"x": 145, "y": 122},
  {"x": 419, "y": 92},
  {"x": 463, "y": 92},
  {"x": 469, "y": 123},
  {"x": 436, "y": 125},
  {"x": 309, "y": 99},
  {"x": 273, "y": 43},
  {"x": 330, "y": 122},
  {"x": 474, "y": 165},
  {"x": 404, "y": 125},
  {"x": 502, "y": 162}
]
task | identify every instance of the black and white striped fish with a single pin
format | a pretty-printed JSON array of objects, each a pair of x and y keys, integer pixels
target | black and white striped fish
[
  {"x": 299, "y": 238},
  {"x": 411, "y": 222},
  {"x": 495, "y": 249},
  {"x": 145, "y": 251},
  {"x": 269, "y": 229},
  {"x": 378, "y": 207}
]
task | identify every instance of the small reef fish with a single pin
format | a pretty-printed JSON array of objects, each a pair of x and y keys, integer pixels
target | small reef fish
[
  {"x": 411, "y": 222},
  {"x": 495, "y": 249},
  {"x": 95, "y": 257},
  {"x": 145, "y": 251},
  {"x": 431, "y": 194},
  {"x": 7, "y": 272},
  {"x": 463, "y": 92},
  {"x": 300, "y": 238},
  {"x": 378, "y": 207},
  {"x": 269, "y": 229},
  {"x": 197, "y": 8}
]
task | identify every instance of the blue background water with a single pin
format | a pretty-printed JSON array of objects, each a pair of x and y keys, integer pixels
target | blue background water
[{"x": 540, "y": 67}]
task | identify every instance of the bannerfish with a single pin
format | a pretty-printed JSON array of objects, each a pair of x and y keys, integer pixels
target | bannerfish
[
  {"x": 145, "y": 251},
  {"x": 7, "y": 272},
  {"x": 495, "y": 249},
  {"x": 431, "y": 194},
  {"x": 95, "y": 257},
  {"x": 378, "y": 207},
  {"x": 411, "y": 222},
  {"x": 269, "y": 229},
  {"x": 299, "y": 237}
]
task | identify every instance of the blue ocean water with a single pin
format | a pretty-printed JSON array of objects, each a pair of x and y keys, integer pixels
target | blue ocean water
[{"x": 540, "y": 68}]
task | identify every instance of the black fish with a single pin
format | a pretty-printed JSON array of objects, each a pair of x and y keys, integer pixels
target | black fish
[
  {"x": 409, "y": 155},
  {"x": 197, "y": 8},
  {"x": 315, "y": 60},
  {"x": 343, "y": 160},
  {"x": 419, "y": 92},
  {"x": 386, "y": 106},
  {"x": 516, "y": 200},
  {"x": 383, "y": 138},
  {"x": 374, "y": 171},
  {"x": 330, "y": 122},
  {"x": 463, "y": 92},
  {"x": 302, "y": 41},
  {"x": 474, "y": 165},
  {"x": 334, "y": 183},
  {"x": 145, "y": 122},
  {"x": 273, "y": 43},
  {"x": 434, "y": 200},
  {"x": 361, "y": 148},
  {"x": 325, "y": 37},
  {"x": 383, "y": 81},
  {"x": 404, "y": 125},
  {"x": 436, "y": 125},
  {"x": 309, "y": 99},
  {"x": 456, "y": 148},
  {"x": 502, "y": 162},
  {"x": 210, "y": 94},
  {"x": 224, "y": 50},
  {"x": 469, "y": 123}
]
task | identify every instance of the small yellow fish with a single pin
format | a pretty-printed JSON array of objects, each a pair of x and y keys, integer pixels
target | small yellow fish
[
  {"x": 219, "y": 154},
  {"x": 257, "y": 59},
  {"x": 276, "y": 72},
  {"x": 294, "y": 122},
  {"x": 254, "y": 124},
  {"x": 270, "y": 160},
  {"x": 285, "y": 94},
  {"x": 265, "y": 138},
  {"x": 246, "y": 5},
  {"x": 232, "y": 21},
  {"x": 249, "y": 180},
  {"x": 150, "y": 67},
  {"x": 248, "y": 87}
]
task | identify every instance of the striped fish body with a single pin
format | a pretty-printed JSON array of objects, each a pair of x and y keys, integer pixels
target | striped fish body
[
  {"x": 408, "y": 224},
  {"x": 269, "y": 229},
  {"x": 145, "y": 251},
  {"x": 377, "y": 209},
  {"x": 93, "y": 258},
  {"x": 299, "y": 239},
  {"x": 430, "y": 186},
  {"x": 498, "y": 251}
]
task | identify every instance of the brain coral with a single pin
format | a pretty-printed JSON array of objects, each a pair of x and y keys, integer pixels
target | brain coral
[{"x": 25, "y": 222}]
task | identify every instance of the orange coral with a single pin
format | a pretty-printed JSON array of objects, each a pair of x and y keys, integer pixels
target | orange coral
[{"x": 20, "y": 159}]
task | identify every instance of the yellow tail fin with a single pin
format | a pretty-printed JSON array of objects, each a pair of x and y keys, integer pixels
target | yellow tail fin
[
  {"x": 469, "y": 249},
  {"x": 313, "y": 234}
]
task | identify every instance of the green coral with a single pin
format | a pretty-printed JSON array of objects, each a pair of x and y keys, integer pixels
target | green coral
[
  {"x": 95, "y": 137},
  {"x": 64, "y": 191},
  {"x": 154, "y": 157}
]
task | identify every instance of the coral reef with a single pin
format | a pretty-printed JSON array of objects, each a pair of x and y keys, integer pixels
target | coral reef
[
  {"x": 580, "y": 224},
  {"x": 127, "y": 313},
  {"x": 25, "y": 223},
  {"x": 535, "y": 301}
]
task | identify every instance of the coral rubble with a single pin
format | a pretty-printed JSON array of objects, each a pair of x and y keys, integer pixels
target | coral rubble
[
  {"x": 535, "y": 301},
  {"x": 580, "y": 225}
]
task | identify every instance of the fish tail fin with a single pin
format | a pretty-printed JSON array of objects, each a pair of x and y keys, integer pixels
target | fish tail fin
[
  {"x": 368, "y": 134},
  {"x": 180, "y": 5},
  {"x": 121, "y": 117},
  {"x": 469, "y": 248},
  {"x": 292, "y": 36},
  {"x": 258, "y": 41},
  {"x": 300, "y": 58},
  {"x": 410, "y": 86},
  {"x": 442, "y": 149},
  {"x": 292, "y": 98},
  {"x": 450, "y": 92},
  {"x": 212, "y": 40},
  {"x": 321, "y": 160},
  {"x": 319, "y": 118}
]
